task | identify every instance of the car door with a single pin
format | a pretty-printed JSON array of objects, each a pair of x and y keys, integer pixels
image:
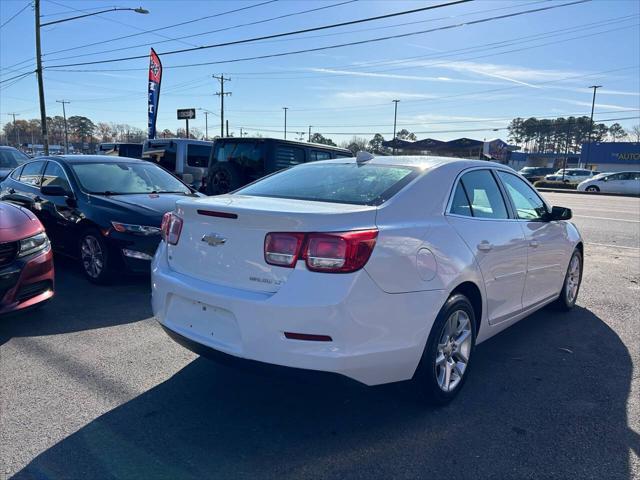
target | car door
[
  {"x": 547, "y": 254},
  {"x": 59, "y": 213},
  {"x": 479, "y": 214}
]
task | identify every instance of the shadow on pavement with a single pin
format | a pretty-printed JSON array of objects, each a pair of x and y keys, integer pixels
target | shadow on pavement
[
  {"x": 547, "y": 398},
  {"x": 80, "y": 305}
]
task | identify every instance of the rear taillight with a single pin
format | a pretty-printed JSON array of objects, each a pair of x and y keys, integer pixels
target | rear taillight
[
  {"x": 336, "y": 252},
  {"x": 283, "y": 249},
  {"x": 170, "y": 228}
]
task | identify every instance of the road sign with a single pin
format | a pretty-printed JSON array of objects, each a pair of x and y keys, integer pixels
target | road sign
[{"x": 186, "y": 113}]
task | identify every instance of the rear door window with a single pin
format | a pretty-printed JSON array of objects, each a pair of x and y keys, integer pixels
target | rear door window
[
  {"x": 198, "y": 155},
  {"x": 478, "y": 195},
  {"x": 319, "y": 155},
  {"x": 287, "y": 156},
  {"x": 32, "y": 173}
]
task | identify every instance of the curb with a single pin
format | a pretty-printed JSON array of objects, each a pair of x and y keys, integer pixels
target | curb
[{"x": 567, "y": 190}]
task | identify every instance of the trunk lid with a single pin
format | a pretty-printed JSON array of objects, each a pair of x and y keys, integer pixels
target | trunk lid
[{"x": 230, "y": 251}]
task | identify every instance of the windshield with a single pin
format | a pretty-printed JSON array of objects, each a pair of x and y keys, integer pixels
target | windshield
[
  {"x": 336, "y": 182},
  {"x": 126, "y": 178},
  {"x": 12, "y": 158}
]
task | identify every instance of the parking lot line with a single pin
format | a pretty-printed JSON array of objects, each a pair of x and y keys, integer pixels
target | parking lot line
[
  {"x": 612, "y": 246},
  {"x": 608, "y": 218}
]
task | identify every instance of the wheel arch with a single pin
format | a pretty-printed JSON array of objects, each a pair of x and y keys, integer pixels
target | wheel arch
[{"x": 472, "y": 292}]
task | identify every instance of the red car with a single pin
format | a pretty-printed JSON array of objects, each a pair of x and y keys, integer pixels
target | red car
[{"x": 26, "y": 260}]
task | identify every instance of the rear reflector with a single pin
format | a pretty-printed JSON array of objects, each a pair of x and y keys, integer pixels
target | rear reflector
[
  {"x": 211, "y": 213},
  {"x": 307, "y": 336}
]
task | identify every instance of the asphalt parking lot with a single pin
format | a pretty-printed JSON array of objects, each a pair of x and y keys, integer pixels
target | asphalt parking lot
[{"x": 92, "y": 388}]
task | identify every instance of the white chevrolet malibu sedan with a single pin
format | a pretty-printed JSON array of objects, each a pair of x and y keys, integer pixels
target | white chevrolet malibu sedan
[{"x": 380, "y": 269}]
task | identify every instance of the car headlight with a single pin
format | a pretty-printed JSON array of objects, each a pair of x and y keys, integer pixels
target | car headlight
[
  {"x": 136, "y": 229},
  {"x": 30, "y": 245}
]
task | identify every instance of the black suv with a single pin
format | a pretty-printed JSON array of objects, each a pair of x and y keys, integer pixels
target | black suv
[
  {"x": 235, "y": 162},
  {"x": 533, "y": 174}
]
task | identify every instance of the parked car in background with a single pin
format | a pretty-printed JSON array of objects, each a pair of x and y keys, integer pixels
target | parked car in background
[
  {"x": 129, "y": 150},
  {"x": 187, "y": 159},
  {"x": 533, "y": 174},
  {"x": 26, "y": 261},
  {"x": 571, "y": 175},
  {"x": 620, "y": 182},
  {"x": 105, "y": 211},
  {"x": 10, "y": 158},
  {"x": 382, "y": 269},
  {"x": 236, "y": 162}
]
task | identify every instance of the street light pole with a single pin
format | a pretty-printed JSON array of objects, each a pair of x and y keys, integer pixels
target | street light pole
[
  {"x": 285, "y": 121},
  {"x": 43, "y": 110},
  {"x": 66, "y": 131},
  {"x": 395, "y": 117},
  {"x": 309, "y": 133},
  {"x": 593, "y": 104}
]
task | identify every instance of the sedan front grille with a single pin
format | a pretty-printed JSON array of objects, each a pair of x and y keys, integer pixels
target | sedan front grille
[{"x": 8, "y": 253}]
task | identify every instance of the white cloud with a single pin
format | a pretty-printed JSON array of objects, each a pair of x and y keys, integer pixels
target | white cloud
[
  {"x": 381, "y": 95},
  {"x": 396, "y": 76}
]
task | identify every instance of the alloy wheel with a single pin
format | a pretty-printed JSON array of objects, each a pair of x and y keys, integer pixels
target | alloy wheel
[
  {"x": 453, "y": 350},
  {"x": 573, "y": 279},
  {"x": 92, "y": 256}
]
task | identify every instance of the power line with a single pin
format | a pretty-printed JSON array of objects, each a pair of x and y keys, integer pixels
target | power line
[
  {"x": 257, "y": 22},
  {"x": 284, "y": 34},
  {"x": 17, "y": 76},
  {"x": 361, "y": 42},
  {"x": 16, "y": 14},
  {"x": 235, "y": 10}
]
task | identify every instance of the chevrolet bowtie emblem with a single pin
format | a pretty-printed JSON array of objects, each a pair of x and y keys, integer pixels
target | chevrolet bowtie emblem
[{"x": 214, "y": 240}]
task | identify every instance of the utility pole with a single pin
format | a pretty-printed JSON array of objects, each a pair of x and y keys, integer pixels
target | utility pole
[
  {"x": 240, "y": 132},
  {"x": 66, "y": 131},
  {"x": 285, "y": 121},
  {"x": 221, "y": 94},
  {"x": 206, "y": 125},
  {"x": 395, "y": 117},
  {"x": 227, "y": 123},
  {"x": 43, "y": 110},
  {"x": 15, "y": 128},
  {"x": 593, "y": 104},
  {"x": 309, "y": 133}
]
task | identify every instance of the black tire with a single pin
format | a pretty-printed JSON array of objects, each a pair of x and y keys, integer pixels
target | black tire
[
  {"x": 224, "y": 177},
  {"x": 592, "y": 188},
  {"x": 99, "y": 273},
  {"x": 426, "y": 377},
  {"x": 565, "y": 301}
]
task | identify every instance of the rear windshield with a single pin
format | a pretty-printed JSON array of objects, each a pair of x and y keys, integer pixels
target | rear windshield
[
  {"x": 12, "y": 158},
  {"x": 198, "y": 155},
  {"x": 335, "y": 182}
]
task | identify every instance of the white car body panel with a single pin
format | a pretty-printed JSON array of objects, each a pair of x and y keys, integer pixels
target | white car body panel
[
  {"x": 379, "y": 318},
  {"x": 613, "y": 184}
]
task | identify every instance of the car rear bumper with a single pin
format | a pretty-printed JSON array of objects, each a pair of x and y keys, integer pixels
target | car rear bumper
[
  {"x": 376, "y": 337},
  {"x": 27, "y": 282}
]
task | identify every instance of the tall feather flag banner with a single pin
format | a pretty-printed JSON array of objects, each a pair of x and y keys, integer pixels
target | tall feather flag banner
[{"x": 155, "y": 78}]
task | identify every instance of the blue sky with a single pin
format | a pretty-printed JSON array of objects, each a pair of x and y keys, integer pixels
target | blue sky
[{"x": 460, "y": 81}]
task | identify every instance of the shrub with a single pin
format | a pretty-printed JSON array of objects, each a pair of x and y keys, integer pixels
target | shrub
[{"x": 550, "y": 184}]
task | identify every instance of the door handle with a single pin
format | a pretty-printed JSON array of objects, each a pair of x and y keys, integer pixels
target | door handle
[
  {"x": 484, "y": 246},
  {"x": 534, "y": 244},
  {"x": 12, "y": 191}
]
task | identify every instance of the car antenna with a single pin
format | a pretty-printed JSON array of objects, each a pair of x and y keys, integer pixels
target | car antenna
[{"x": 363, "y": 157}]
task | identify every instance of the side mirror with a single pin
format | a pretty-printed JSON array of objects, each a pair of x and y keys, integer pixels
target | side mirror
[
  {"x": 53, "y": 191},
  {"x": 560, "y": 213}
]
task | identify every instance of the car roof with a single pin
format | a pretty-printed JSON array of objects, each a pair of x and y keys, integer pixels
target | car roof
[
  {"x": 419, "y": 161},
  {"x": 71, "y": 159}
]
